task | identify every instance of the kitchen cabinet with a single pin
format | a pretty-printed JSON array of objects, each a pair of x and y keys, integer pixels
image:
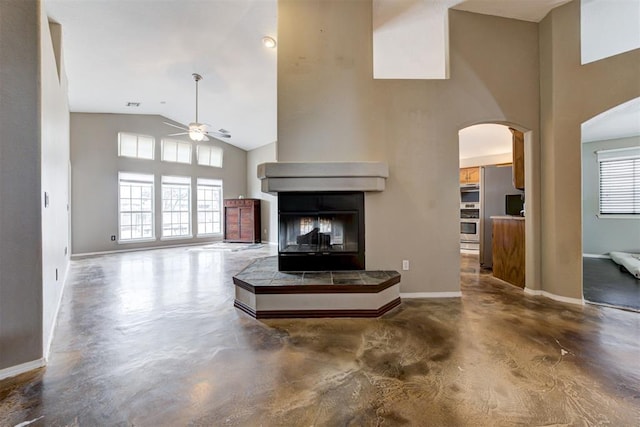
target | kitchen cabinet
[
  {"x": 508, "y": 249},
  {"x": 470, "y": 175},
  {"x": 518, "y": 158},
  {"x": 242, "y": 220}
]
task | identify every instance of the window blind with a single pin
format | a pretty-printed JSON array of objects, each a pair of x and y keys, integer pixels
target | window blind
[{"x": 619, "y": 182}]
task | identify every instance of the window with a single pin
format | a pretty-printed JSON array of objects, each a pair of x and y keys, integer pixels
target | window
[
  {"x": 209, "y": 156},
  {"x": 209, "y": 206},
  {"x": 619, "y": 181},
  {"x": 137, "y": 146},
  {"x": 176, "y": 206},
  {"x": 135, "y": 207},
  {"x": 176, "y": 151}
]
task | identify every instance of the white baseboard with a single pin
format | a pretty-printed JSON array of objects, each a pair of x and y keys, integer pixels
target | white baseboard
[
  {"x": 410, "y": 295},
  {"x": 605, "y": 256},
  {"x": 12, "y": 371},
  {"x": 47, "y": 344},
  {"x": 568, "y": 300},
  {"x": 76, "y": 256}
]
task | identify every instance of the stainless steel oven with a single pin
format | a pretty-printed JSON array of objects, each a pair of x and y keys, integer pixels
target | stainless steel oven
[{"x": 470, "y": 222}]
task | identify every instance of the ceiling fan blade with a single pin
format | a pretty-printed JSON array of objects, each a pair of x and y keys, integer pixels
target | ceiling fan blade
[
  {"x": 223, "y": 131},
  {"x": 176, "y": 126},
  {"x": 177, "y": 134}
]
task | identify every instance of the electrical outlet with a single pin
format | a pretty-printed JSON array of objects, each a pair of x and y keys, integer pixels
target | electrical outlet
[
  {"x": 405, "y": 264},
  {"x": 113, "y": 238}
]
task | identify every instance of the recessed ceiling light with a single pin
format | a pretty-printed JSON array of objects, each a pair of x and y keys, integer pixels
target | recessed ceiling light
[
  {"x": 133, "y": 104},
  {"x": 269, "y": 42}
]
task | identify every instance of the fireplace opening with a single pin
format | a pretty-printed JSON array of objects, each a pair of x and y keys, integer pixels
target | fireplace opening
[{"x": 321, "y": 231}]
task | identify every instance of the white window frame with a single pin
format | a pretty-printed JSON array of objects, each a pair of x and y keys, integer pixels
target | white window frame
[
  {"x": 619, "y": 158},
  {"x": 138, "y": 180},
  {"x": 180, "y": 184},
  {"x": 205, "y": 157},
  {"x": 204, "y": 184},
  {"x": 176, "y": 150},
  {"x": 138, "y": 137}
]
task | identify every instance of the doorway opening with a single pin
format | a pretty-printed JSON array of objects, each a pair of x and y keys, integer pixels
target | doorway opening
[
  {"x": 611, "y": 207},
  {"x": 492, "y": 201}
]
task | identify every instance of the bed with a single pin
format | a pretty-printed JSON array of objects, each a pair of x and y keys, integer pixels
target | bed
[{"x": 631, "y": 262}]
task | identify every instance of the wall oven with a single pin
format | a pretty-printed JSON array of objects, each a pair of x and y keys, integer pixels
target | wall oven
[{"x": 470, "y": 222}]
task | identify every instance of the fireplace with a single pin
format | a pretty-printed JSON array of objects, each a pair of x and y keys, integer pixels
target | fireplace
[{"x": 321, "y": 231}]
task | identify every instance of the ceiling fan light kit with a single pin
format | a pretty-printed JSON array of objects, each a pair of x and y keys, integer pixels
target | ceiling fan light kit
[{"x": 198, "y": 131}]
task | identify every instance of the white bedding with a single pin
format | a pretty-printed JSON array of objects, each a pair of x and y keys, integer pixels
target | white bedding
[{"x": 629, "y": 261}]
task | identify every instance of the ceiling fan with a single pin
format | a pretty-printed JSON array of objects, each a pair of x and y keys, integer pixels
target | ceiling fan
[{"x": 198, "y": 131}]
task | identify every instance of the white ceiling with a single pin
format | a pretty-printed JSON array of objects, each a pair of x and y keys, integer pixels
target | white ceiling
[
  {"x": 524, "y": 10},
  {"x": 119, "y": 51},
  {"x": 622, "y": 121},
  {"x": 484, "y": 140},
  {"x": 145, "y": 51}
]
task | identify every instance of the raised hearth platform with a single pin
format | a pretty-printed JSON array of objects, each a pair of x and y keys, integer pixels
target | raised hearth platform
[{"x": 263, "y": 292}]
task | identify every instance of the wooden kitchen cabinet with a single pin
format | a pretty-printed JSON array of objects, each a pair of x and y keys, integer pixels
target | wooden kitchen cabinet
[
  {"x": 518, "y": 158},
  {"x": 470, "y": 175},
  {"x": 242, "y": 220}
]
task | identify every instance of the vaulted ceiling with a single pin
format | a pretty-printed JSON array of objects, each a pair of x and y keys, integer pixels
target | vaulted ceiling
[{"x": 121, "y": 51}]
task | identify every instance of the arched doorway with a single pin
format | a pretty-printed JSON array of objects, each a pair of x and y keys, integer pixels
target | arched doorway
[{"x": 489, "y": 147}]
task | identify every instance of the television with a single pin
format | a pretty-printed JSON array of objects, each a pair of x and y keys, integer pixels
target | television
[{"x": 514, "y": 204}]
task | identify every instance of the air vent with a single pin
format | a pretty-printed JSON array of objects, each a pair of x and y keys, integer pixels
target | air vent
[{"x": 133, "y": 104}]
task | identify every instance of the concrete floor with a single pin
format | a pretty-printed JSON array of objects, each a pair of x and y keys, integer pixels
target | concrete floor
[{"x": 152, "y": 339}]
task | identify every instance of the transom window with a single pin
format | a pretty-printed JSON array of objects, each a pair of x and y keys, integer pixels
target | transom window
[
  {"x": 619, "y": 181},
  {"x": 136, "y": 146},
  {"x": 176, "y": 206},
  {"x": 209, "y": 199},
  {"x": 135, "y": 207},
  {"x": 209, "y": 156},
  {"x": 176, "y": 151}
]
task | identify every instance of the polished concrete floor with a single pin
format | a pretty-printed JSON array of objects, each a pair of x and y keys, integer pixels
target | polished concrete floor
[{"x": 152, "y": 339}]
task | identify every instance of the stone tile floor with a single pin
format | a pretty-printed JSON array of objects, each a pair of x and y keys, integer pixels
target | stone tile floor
[{"x": 152, "y": 339}]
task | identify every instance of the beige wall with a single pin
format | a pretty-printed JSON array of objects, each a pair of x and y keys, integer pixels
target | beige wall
[
  {"x": 20, "y": 186},
  {"x": 95, "y": 166},
  {"x": 330, "y": 108},
  {"x": 571, "y": 94},
  {"x": 55, "y": 173},
  {"x": 269, "y": 202}
]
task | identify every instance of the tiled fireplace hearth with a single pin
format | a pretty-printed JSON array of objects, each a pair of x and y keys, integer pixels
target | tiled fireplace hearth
[{"x": 320, "y": 268}]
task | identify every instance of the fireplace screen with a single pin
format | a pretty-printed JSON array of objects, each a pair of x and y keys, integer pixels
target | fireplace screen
[{"x": 321, "y": 231}]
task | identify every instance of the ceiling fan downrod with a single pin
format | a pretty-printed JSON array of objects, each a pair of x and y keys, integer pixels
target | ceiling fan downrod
[{"x": 197, "y": 77}]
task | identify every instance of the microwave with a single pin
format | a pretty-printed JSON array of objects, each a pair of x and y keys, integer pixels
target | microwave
[{"x": 514, "y": 204}]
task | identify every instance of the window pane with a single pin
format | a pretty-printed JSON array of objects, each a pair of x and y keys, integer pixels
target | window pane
[
  {"x": 128, "y": 145},
  {"x": 145, "y": 148},
  {"x": 136, "y": 206},
  {"x": 184, "y": 153},
  {"x": 216, "y": 157}
]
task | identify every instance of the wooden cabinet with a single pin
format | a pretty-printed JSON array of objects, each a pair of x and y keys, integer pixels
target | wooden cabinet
[
  {"x": 518, "y": 158},
  {"x": 242, "y": 220},
  {"x": 508, "y": 249},
  {"x": 470, "y": 175}
]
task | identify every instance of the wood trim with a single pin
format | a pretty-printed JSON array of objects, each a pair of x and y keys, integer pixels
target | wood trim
[
  {"x": 289, "y": 314},
  {"x": 317, "y": 289}
]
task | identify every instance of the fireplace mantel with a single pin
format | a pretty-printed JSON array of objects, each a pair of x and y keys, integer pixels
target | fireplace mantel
[{"x": 322, "y": 176}]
